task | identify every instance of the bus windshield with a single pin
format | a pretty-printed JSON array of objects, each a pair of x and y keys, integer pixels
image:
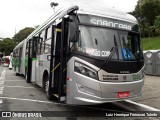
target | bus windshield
[{"x": 98, "y": 42}]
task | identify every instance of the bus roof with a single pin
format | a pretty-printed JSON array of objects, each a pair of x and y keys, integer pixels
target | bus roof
[
  {"x": 88, "y": 10},
  {"x": 19, "y": 45},
  {"x": 106, "y": 12}
]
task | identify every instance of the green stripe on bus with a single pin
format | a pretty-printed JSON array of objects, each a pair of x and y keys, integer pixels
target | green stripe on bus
[{"x": 33, "y": 59}]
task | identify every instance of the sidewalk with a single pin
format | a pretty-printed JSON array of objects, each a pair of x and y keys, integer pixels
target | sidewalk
[{"x": 151, "y": 92}]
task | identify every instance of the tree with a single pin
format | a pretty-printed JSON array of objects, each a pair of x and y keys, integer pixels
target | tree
[
  {"x": 7, "y": 46},
  {"x": 22, "y": 34},
  {"x": 150, "y": 10},
  {"x": 157, "y": 22},
  {"x": 146, "y": 12}
]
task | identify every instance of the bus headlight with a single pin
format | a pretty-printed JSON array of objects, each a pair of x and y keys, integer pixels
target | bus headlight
[{"x": 85, "y": 70}]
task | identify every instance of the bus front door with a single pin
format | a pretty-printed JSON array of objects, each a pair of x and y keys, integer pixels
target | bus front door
[{"x": 57, "y": 80}]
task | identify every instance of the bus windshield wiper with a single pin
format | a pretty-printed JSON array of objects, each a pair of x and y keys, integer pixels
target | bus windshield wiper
[{"x": 112, "y": 51}]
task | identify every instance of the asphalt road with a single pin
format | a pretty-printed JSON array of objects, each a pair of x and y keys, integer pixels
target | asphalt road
[{"x": 17, "y": 95}]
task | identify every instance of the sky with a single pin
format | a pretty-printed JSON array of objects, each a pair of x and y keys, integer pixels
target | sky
[{"x": 18, "y": 14}]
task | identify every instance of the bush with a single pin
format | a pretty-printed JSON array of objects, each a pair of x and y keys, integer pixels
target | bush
[
  {"x": 146, "y": 33},
  {"x": 157, "y": 32}
]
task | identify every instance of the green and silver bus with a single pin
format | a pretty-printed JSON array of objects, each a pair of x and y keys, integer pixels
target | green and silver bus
[{"x": 83, "y": 56}]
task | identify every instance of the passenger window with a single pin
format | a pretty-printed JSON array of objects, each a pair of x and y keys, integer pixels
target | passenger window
[
  {"x": 48, "y": 46},
  {"x": 14, "y": 53},
  {"x": 48, "y": 40},
  {"x": 49, "y": 33},
  {"x": 27, "y": 46},
  {"x": 41, "y": 43}
]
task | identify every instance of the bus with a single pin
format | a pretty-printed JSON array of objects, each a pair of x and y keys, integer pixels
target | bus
[
  {"x": 10, "y": 61},
  {"x": 83, "y": 56},
  {"x": 5, "y": 61}
]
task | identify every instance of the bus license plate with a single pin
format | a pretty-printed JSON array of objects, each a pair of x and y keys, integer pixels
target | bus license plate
[{"x": 123, "y": 94}]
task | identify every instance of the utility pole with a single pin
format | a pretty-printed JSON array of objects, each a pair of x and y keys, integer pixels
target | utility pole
[
  {"x": 53, "y": 5},
  {"x": 15, "y": 31}
]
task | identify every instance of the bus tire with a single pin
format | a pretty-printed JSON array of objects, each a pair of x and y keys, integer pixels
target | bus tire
[
  {"x": 49, "y": 96},
  {"x": 46, "y": 87},
  {"x": 26, "y": 77},
  {"x": 17, "y": 74}
]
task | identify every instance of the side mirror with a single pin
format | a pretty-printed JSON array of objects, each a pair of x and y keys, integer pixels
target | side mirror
[{"x": 74, "y": 32}]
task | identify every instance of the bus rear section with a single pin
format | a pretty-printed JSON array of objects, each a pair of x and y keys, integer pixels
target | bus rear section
[
  {"x": 17, "y": 58},
  {"x": 10, "y": 63},
  {"x": 6, "y": 61}
]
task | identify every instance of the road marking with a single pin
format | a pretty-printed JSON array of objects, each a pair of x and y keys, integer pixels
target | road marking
[
  {"x": 142, "y": 105},
  {"x": 15, "y": 80},
  {"x": 1, "y": 88},
  {"x": 2, "y": 77},
  {"x": 1, "y": 82},
  {"x": 21, "y": 99},
  {"x": 3, "y": 74},
  {"x": 17, "y": 86},
  {"x": 1, "y": 101}
]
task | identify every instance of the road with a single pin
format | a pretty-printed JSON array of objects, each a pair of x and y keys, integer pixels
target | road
[{"x": 17, "y": 95}]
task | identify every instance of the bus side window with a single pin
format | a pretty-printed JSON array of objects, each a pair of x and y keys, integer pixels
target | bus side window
[
  {"x": 18, "y": 52},
  {"x": 39, "y": 44},
  {"x": 14, "y": 53},
  {"x": 48, "y": 46},
  {"x": 34, "y": 49},
  {"x": 42, "y": 41},
  {"x": 49, "y": 31},
  {"x": 48, "y": 40},
  {"x": 27, "y": 48}
]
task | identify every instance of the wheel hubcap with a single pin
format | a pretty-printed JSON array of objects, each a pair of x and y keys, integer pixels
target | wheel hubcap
[{"x": 47, "y": 86}]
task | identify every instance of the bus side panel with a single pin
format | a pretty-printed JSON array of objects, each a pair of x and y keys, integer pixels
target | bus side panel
[
  {"x": 33, "y": 77},
  {"x": 23, "y": 65}
]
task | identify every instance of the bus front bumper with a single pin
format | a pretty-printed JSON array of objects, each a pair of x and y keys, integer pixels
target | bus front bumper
[{"x": 108, "y": 93}]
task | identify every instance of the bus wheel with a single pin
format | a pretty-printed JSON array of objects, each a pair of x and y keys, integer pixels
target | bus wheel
[
  {"x": 17, "y": 74},
  {"x": 49, "y": 96},
  {"x": 26, "y": 77}
]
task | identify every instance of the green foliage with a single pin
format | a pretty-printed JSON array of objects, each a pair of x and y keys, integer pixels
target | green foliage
[
  {"x": 7, "y": 45},
  {"x": 151, "y": 43},
  {"x": 150, "y": 10},
  {"x": 22, "y": 34},
  {"x": 146, "y": 12},
  {"x": 157, "y": 32},
  {"x": 157, "y": 22}
]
